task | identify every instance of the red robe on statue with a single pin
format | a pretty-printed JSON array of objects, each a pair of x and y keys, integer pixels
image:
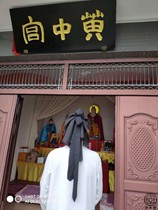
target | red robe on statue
[{"x": 95, "y": 126}]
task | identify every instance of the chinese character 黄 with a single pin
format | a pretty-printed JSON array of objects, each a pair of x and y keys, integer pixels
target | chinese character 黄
[{"x": 93, "y": 23}]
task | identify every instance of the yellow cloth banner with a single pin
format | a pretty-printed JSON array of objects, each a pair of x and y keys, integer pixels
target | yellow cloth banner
[
  {"x": 109, "y": 156},
  {"x": 111, "y": 180}
]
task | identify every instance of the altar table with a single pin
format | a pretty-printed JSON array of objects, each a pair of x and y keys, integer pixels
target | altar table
[
  {"x": 29, "y": 171},
  {"x": 33, "y": 171},
  {"x": 109, "y": 156}
]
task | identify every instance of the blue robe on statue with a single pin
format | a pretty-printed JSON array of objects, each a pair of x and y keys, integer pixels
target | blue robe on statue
[{"x": 46, "y": 132}]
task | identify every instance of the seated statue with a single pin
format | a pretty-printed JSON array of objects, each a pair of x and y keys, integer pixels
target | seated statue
[
  {"x": 95, "y": 124},
  {"x": 46, "y": 134}
]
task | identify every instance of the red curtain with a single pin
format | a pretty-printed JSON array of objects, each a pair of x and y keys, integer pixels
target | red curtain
[{"x": 105, "y": 176}]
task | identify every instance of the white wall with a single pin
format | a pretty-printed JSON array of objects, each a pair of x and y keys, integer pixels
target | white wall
[
  {"x": 24, "y": 127},
  {"x": 107, "y": 112},
  {"x": 5, "y": 5},
  {"x": 127, "y": 10}
]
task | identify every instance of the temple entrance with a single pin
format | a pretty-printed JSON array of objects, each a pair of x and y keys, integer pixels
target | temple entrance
[
  {"x": 30, "y": 151},
  {"x": 104, "y": 84},
  {"x": 135, "y": 125}
]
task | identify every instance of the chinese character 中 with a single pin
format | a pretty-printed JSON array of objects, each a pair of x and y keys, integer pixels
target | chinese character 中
[
  {"x": 94, "y": 25},
  {"x": 62, "y": 28},
  {"x": 33, "y": 31}
]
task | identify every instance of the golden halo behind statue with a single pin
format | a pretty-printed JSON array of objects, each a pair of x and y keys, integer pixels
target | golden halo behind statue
[{"x": 96, "y": 107}]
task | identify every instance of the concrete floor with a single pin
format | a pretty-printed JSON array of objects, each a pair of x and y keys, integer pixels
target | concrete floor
[
  {"x": 24, "y": 206},
  {"x": 20, "y": 206}
]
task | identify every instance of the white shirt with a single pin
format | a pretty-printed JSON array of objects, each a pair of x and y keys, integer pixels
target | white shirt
[{"x": 56, "y": 189}]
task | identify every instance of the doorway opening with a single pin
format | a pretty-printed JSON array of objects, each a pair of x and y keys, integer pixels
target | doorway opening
[{"x": 30, "y": 156}]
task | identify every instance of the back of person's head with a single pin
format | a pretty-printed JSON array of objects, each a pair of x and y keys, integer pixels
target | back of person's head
[
  {"x": 76, "y": 128},
  {"x": 76, "y": 131}
]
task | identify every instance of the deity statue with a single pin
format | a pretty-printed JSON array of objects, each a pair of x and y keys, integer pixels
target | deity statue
[
  {"x": 46, "y": 134},
  {"x": 95, "y": 124}
]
